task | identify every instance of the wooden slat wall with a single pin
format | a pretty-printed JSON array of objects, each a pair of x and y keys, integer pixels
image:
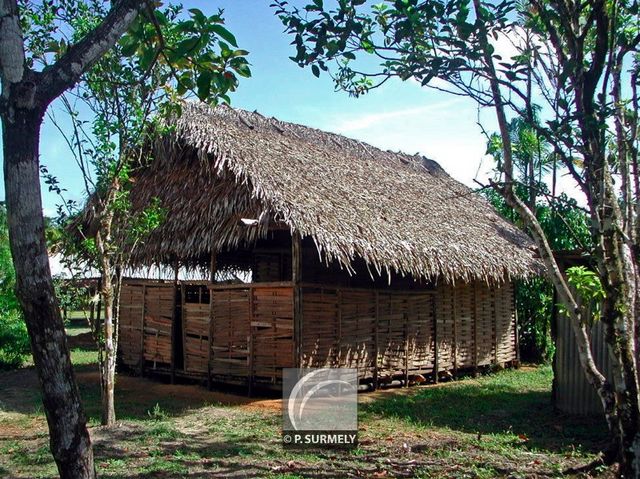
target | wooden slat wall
[
  {"x": 473, "y": 326},
  {"x": 505, "y": 331},
  {"x": 356, "y": 343},
  {"x": 158, "y": 327},
  {"x": 230, "y": 313},
  {"x": 321, "y": 328},
  {"x": 465, "y": 304},
  {"x": 445, "y": 333},
  {"x": 246, "y": 332},
  {"x": 364, "y": 329},
  {"x": 252, "y": 332},
  {"x": 271, "y": 342},
  {"x": 420, "y": 330},
  {"x": 130, "y": 335},
  {"x": 195, "y": 324}
]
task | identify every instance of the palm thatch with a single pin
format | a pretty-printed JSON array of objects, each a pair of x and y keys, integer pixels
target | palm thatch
[{"x": 397, "y": 212}]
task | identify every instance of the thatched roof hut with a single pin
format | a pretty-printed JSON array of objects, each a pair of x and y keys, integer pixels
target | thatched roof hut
[
  {"x": 247, "y": 192},
  {"x": 399, "y": 213}
]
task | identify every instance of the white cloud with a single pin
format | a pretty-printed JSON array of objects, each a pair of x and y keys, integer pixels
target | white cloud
[{"x": 369, "y": 120}]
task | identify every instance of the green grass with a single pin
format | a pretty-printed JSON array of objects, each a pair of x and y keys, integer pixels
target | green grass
[
  {"x": 508, "y": 409},
  {"x": 83, "y": 357},
  {"x": 493, "y": 426}
]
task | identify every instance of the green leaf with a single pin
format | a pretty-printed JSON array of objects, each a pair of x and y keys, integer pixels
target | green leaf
[
  {"x": 187, "y": 46},
  {"x": 203, "y": 84},
  {"x": 198, "y": 16},
  {"x": 224, "y": 34},
  {"x": 315, "y": 70},
  {"x": 243, "y": 70},
  {"x": 129, "y": 45}
]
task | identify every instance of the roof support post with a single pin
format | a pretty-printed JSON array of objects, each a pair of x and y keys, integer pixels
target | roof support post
[
  {"x": 251, "y": 344},
  {"x": 213, "y": 266},
  {"x": 476, "y": 318},
  {"x": 296, "y": 276},
  {"x": 174, "y": 318},
  {"x": 454, "y": 324},
  {"x": 376, "y": 343},
  {"x": 143, "y": 310},
  {"x": 405, "y": 319}
]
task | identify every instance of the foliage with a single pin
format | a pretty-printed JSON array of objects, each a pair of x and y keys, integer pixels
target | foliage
[
  {"x": 589, "y": 288},
  {"x": 14, "y": 340},
  {"x": 199, "y": 53},
  {"x": 363, "y": 45},
  {"x": 71, "y": 296},
  {"x": 534, "y": 304},
  {"x": 566, "y": 227},
  {"x": 130, "y": 94}
]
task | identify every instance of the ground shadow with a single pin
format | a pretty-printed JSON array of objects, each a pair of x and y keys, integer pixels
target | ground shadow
[
  {"x": 135, "y": 397},
  {"x": 494, "y": 409}
]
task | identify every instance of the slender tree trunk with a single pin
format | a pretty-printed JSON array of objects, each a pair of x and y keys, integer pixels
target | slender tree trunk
[
  {"x": 69, "y": 438},
  {"x": 108, "y": 363},
  {"x": 108, "y": 367},
  {"x": 617, "y": 270}
]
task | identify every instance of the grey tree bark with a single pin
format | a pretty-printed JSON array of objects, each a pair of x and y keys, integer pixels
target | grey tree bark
[
  {"x": 26, "y": 94},
  {"x": 617, "y": 268}
]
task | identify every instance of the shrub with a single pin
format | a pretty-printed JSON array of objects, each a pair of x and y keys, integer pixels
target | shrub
[{"x": 14, "y": 340}]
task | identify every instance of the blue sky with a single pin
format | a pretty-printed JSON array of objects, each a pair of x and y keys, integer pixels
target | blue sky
[{"x": 398, "y": 116}]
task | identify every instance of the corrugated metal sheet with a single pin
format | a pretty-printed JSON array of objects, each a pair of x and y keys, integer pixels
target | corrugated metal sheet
[{"x": 572, "y": 393}]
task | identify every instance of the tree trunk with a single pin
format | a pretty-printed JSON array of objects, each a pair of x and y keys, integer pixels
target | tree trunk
[
  {"x": 69, "y": 438},
  {"x": 617, "y": 272},
  {"x": 108, "y": 359},
  {"x": 619, "y": 313},
  {"x": 108, "y": 366}
]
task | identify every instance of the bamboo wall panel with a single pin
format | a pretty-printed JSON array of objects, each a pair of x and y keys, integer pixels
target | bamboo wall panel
[
  {"x": 505, "y": 331},
  {"x": 130, "y": 335},
  {"x": 158, "y": 328},
  {"x": 357, "y": 327},
  {"x": 466, "y": 310},
  {"x": 420, "y": 332},
  {"x": 445, "y": 327},
  {"x": 321, "y": 328},
  {"x": 195, "y": 322},
  {"x": 230, "y": 329},
  {"x": 271, "y": 342},
  {"x": 246, "y": 332},
  {"x": 362, "y": 329},
  {"x": 484, "y": 326}
]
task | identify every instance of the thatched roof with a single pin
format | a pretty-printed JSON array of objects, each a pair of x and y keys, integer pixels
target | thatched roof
[{"x": 398, "y": 212}]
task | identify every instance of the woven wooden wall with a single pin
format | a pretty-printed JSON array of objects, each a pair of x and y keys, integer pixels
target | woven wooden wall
[
  {"x": 131, "y": 318},
  {"x": 394, "y": 333},
  {"x": 252, "y": 332},
  {"x": 146, "y": 323},
  {"x": 361, "y": 329},
  {"x": 196, "y": 310},
  {"x": 245, "y": 333}
]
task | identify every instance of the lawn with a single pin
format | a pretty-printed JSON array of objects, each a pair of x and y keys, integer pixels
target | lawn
[{"x": 499, "y": 425}]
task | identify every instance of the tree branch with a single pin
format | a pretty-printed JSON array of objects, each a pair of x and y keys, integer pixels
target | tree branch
[
  {"x": 12, "y": 59},
  {"x": 67, "y": 71}
]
